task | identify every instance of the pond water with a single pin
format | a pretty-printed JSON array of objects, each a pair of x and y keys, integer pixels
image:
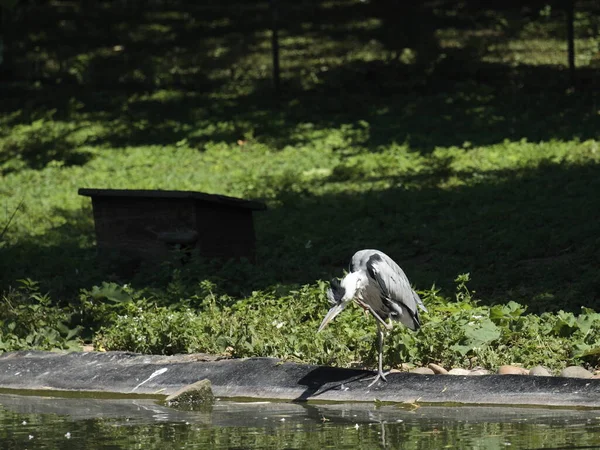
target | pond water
[{"x": 60, "y": 422}]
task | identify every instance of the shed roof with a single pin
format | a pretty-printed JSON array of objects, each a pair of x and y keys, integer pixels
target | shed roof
[{"x": 147, "y": 193}]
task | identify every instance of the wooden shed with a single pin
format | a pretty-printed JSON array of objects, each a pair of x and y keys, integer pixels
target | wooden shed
[{"x": 145, "y": 224}]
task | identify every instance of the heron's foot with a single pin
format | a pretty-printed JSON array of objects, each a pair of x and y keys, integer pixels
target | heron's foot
[
  {"x": 387, "y": 326},
  {"x": 380, "y": 376}
]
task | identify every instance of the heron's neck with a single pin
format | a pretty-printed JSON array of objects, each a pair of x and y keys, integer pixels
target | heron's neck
[{"x": 354, "y": 283}]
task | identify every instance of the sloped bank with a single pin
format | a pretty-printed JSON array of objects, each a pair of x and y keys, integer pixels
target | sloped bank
[{"x": 268, "y": 378}]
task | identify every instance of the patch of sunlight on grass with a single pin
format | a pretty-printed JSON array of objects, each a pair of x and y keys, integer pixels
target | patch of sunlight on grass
[{"x": 541, "y": 51}]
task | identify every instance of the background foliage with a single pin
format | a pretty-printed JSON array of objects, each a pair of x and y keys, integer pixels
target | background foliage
[{"x": 455, "y": 146}]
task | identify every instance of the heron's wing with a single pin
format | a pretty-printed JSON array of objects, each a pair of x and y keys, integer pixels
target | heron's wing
[
  {"x": 360, "y": 258},
  {"x": 396, "y": 291}
]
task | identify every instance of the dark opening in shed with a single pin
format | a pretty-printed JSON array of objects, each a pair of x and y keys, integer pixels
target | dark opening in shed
[{"x": 144, "y": 225}]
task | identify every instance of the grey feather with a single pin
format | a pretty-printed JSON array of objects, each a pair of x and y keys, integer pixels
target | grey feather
[{"x": 397, "y": 300}]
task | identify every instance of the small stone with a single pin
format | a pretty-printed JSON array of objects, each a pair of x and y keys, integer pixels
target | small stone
[
  {"x": 458, "y": 371},
  {"x": 596, "y": 376},
  {"x": 197, "y": 394},
  {"x": 540, "y": 371},
  {"x": 437, "y": 369},
  {"x": 479, "y": 372},
  {"x": 422, "y": 371},
  {"x": 512, "y": 370},
  {"x": 575, "y": 372}
]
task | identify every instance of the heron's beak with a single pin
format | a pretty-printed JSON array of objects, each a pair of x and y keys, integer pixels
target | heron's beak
[{"x": 331, "y": 314}]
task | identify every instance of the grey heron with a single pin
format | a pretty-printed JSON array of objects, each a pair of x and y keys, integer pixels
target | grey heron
[{"x": 381, "y": 287}]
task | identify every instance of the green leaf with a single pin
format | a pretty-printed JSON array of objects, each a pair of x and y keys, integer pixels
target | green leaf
[
  {"x": 510, "y": 311},
  {"x": 565, "y": 324},
  {"x": 584, "y": 350},
  {"x": 461, "y": 349},
  {"x": 485, "y": 331},
  {"x": 73, "y": 332},
  {"x": 477, "y": 335},
  {"x": 585, "y": 321},
  {"x": 110, "y": 291}
]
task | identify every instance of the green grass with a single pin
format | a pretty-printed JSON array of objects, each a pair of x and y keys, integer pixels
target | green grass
[
  {"x": 518, "y": 216},
  {"x": 467, "y": 155}
]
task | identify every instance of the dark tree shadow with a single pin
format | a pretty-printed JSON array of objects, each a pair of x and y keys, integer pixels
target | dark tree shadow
[
  {"x": 526, "y": 235},
  {"x": 63, "y": 259},
  {"x": 149, "y": 78}
]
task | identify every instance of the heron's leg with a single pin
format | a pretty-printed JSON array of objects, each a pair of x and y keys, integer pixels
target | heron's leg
[
  {"x": 381, "y": 337},
  {"x": 380, "y": 372}
]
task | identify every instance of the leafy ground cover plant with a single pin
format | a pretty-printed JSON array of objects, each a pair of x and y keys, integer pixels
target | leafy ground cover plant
[
  {"x": 29, "y": 320},
  {"x": 457, "y": 332}
]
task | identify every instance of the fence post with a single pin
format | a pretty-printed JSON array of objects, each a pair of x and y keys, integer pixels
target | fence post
[
  {"x": 275, "y": 46},
  {"x": 570, "y": 6}
]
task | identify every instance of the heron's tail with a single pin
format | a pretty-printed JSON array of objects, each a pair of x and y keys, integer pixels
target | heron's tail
[
  {"x": 419, "y": 301},
  {"x": 408, "y": 318}
]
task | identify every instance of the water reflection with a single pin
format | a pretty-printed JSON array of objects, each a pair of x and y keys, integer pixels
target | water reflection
[{"x": 58, "y": 422}]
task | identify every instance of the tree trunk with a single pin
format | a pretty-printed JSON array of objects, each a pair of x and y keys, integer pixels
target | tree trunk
[
  {"x": 570, "y": 6},
  {"x": 5, "y": 60},
  {"x": 1, "y": 37},
  {"x": 275, "y": 46}
]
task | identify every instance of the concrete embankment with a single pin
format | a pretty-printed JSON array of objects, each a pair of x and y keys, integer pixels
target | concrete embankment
[{"x": 267, "y": 378}]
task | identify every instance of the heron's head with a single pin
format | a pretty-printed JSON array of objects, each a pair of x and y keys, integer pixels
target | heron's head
[{"x": 342, "y": 293}]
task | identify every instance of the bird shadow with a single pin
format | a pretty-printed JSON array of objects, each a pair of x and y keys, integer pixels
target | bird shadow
[{"x": 324, "y": 379}]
